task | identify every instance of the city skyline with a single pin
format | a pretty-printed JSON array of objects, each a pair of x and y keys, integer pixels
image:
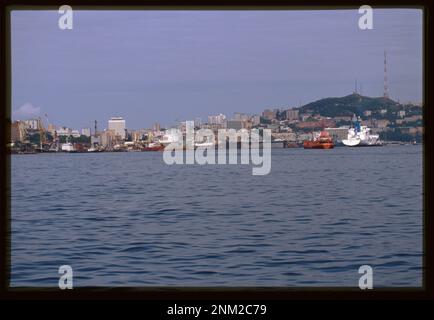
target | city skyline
[{"x": 167, "y": 66}]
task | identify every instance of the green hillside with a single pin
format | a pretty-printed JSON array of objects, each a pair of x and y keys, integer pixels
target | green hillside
[{"x": 349, "y": 105}]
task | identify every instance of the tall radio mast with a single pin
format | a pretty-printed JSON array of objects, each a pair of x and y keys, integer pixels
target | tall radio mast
[{"x": 386, "y": 87}]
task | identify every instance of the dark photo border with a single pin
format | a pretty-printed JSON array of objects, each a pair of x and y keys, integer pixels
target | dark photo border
[{"x": 215, "y": 293}]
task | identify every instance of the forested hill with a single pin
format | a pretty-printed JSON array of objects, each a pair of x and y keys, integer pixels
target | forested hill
[{"x": 349, "y": 105}]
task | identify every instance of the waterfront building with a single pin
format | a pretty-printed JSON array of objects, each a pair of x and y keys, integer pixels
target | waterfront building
[
  {"x": 369, "y": 123},
  {"x": 75, "y": 133},
  {"x": 273, "y": 127},
  {"x": 344, "y": 118},
  {"x": 31, "y": 124},
  {"x": 51, "y": 128},
  {"x": 286, "y": 136},
  {"x": 269, "y": 114},
  {"x": 234, "y": 124},
  {"x": 304, "y": 136},
  {"x": 95, "y": 140},
  {"x": 85, "y": 132},
  {"x": 197, "y": 122},
  {"x": 108, "y": 138},
  {"x": 117, "y": 124},
  {"x": 305, "y": 116},
  {"x": 217, "y": 119},
  {"x": 182, "y": 126},
  {"x": 412, "y": 130},
  {"x": 241, "y": 116},
  {"x": 256, "y": 120},
  {"x": 380, "y": 123},
  {"x": 213, "y": 127},
  {"x": 18, "y": 131},
  {"x": 156, "y": 127},
  {"x": 247, "y": 124},
  {"x": 138, "y": 135},
  {"x": 292, "y": 114},
  {"x": 64, "y": 131},
  {"x": 322, "y": 123},
  {"x": 413, "y": 118}
]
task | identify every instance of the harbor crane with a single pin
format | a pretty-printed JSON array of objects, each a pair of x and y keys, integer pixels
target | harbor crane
[{"x": 42, "y": 131}]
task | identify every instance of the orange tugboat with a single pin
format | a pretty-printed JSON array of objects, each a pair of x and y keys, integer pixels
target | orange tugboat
[{"x": 324, "y": 141}]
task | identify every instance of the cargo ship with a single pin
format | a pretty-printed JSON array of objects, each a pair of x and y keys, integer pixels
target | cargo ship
[
  {"x": 323, "y": 141},
  {"x": 360, "y": 136}
]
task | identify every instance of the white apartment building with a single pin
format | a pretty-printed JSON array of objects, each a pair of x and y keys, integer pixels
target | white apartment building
[
  {"x": 117, "y": 124},
  {"x": 217, "y": 119},
  {"x": 85, "y": 132}
]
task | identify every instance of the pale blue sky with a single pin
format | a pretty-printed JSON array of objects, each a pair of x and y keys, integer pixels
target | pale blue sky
[{"x": 165, "y": 66}]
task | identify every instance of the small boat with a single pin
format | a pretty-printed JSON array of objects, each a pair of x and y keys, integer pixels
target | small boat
[{"x": 323, "y": 141}]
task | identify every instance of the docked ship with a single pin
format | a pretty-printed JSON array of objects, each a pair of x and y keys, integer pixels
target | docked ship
[
  {"x": 323, "y": 141},
  {"x": 360, "y": 136},
  {"x": 153, "y": 146},
  {"x": 168, "y": 138},
  {"x": 204, "y": 144},
  {"x": 68, "y": 147}
]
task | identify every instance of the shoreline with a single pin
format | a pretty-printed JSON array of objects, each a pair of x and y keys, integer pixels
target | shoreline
[{"x": 385, "y": 144}]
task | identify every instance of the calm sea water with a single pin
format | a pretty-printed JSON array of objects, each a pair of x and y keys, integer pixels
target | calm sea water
[{"x": 128, "y": 219}]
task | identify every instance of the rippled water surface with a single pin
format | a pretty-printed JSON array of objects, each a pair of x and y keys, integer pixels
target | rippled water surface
[{"x": 128, "y": 219}]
